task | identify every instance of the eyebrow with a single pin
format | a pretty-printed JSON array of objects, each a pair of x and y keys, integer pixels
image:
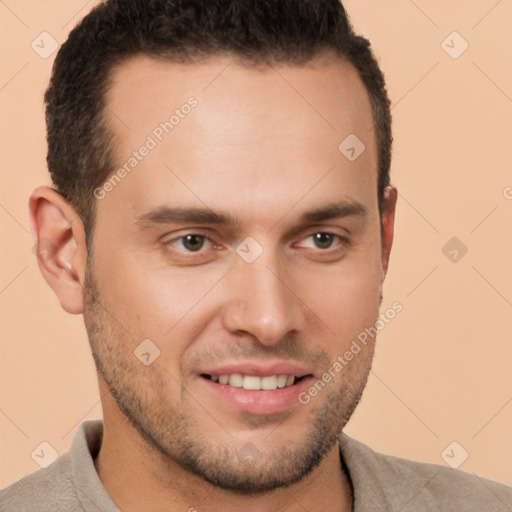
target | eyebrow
[
  {"x": 168, "y": 215},
  {"x": 335, "y": 211}
]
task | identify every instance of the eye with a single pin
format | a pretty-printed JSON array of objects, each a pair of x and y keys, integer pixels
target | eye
[
  {"x": 190, "y": 243},
  {"x": 321, "y": 240}
]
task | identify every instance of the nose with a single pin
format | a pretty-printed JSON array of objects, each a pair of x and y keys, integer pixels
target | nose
[{"x": 262, "y": 302}]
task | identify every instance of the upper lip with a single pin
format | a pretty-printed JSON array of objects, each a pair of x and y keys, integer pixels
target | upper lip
[{"x": 261, "y": 369}]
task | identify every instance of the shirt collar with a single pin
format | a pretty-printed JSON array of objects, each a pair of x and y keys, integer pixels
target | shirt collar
[{"x": 377, "y": 483}]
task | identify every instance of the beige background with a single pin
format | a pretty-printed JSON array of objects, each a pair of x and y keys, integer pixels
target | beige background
[{"x": 442, "y": 371}]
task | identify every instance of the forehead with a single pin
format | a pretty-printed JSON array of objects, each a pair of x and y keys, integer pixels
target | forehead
[
  {"x": 216, "y": 126},
  {"x": 327, "y": 89}
]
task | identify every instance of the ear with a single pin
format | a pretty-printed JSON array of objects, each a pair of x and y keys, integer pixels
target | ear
[
  {"x": 59, "y": 238},
  {"x": 388, "y": 225}
]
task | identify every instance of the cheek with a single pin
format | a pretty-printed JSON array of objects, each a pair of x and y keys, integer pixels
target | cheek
[
  {"x": 346, "y": 299},
  {"x": 346, "y": 307},
  {"x": 155, "y": 301}
]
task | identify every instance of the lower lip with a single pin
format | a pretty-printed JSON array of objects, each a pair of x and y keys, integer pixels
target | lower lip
[{"x": 258, "y": 401}]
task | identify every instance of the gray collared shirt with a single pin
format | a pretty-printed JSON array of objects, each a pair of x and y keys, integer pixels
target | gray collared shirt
[{"x": 380, "y": 483}]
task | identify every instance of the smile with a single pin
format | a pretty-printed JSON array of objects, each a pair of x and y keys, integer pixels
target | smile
[{"x": 254, "y": 382}]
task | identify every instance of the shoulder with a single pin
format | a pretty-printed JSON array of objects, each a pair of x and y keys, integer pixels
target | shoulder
[
  {"x": 71, "y": 483},
  {"x": 47, "y": 489},
  {"x": 411, "y": 485}
]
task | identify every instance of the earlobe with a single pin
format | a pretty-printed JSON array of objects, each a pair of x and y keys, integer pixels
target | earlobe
[
  {"x": 59, "y": 240},
  {"x": 388, "y": 225}
]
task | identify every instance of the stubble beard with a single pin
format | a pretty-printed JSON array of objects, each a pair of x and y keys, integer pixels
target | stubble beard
[{"x": 180, "y": 438}]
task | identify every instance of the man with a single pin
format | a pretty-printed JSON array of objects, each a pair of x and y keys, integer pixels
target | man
[{"x": 223, "y": 218}]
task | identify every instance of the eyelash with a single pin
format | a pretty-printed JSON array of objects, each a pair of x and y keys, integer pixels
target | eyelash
[{"x": 342, "y": 241}]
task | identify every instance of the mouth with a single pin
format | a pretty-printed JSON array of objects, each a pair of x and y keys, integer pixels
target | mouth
[
  {"x": 256, "y": 390},
  {"x": 255, "y": 382}
]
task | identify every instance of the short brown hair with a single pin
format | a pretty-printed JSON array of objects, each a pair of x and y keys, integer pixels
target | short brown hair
[{"x": 254, "y": 31}]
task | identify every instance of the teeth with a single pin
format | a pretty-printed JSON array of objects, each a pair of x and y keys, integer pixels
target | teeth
[
  {"x": 236, "y": 379},
  {"x": 253, "y": 382},
  {"x": 281, "y": 381},
  {"x": 269, "y": 382}
]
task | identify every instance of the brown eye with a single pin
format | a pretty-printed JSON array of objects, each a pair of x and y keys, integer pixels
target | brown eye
[
  {"x": 323, "y": 240},
  {"x": 193, "y": 243},
  {"x": 189, "y": 243},
  {"x": 192, "y": 249}
]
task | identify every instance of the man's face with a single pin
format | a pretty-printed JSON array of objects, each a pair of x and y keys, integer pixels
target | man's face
[{"x": 243, "y": 244}]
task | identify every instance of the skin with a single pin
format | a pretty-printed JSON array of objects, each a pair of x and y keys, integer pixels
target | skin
[{"x": 255, "y": 149}]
